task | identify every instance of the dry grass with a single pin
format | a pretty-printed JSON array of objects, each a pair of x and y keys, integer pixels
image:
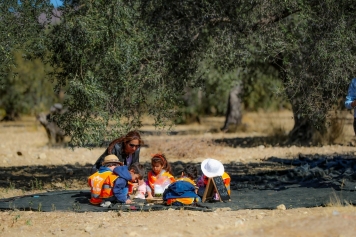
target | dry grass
[
  {"x": 278, "y": 132},
  {"x": 335, "y": 130},
  {"x": 337, "y": 201}
]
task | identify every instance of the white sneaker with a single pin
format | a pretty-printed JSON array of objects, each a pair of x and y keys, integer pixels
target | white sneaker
[{"x": 105, "y": 204}]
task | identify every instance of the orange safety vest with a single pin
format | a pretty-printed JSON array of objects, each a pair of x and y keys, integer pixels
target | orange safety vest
[
  {"x": 107, "y": 190},
  {"x": 96, "y": 182},
  {"x": 227, "y": 181},
  {"x": 152, "y": 178},
  {"x": 186, "y": 201}
]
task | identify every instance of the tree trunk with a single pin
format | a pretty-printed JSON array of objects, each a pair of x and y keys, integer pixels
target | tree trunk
[
  {"x": 234, "y": 107},
  {"x": 303, "y": 130}
]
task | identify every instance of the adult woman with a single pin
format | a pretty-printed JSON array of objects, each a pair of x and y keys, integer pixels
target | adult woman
[
  {"x": 126, "y": 148},
  {"x": 350, "y": 102}
]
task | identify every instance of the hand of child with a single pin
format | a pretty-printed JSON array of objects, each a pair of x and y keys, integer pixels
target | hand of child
[
  {"x": 128, "y": 201},
  {"x": 149, "y": 196}
]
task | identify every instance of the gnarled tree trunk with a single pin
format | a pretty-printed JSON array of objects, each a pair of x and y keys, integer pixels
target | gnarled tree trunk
[
  {"x": 234, "y": 110},
  {"x": 303, "y": 130}
]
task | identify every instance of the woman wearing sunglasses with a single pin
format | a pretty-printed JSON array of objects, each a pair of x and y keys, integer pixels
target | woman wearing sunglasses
[{"x": 126, "y": 148}]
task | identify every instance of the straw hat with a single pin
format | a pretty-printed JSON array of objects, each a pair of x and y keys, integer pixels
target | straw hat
[
  {"x": 212, "y": 168},
  {"x": 111, "y": 159}
]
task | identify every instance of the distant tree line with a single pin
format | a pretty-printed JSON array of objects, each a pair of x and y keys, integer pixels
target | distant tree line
[{"x": 118, "y": 60}]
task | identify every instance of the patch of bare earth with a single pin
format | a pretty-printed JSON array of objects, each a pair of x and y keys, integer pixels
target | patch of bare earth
[{"x": 24, "y": 150}]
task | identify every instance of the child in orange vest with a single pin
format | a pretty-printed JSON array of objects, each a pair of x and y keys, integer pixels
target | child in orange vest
[
  {"x": 212, "y": 168},
  {"x": 115, "y": 188},
  {"x": 184, "y": 190},
  {"x": 160, "y": 176},
  {"x": 97, "y": 179}
]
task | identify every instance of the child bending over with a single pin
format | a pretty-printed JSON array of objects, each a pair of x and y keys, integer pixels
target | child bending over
[
  {"x": 115, "y": 188},
  {"x": 184, "y": 190}
]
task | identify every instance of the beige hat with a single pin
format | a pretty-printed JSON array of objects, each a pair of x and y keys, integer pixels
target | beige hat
[
  {"x": 212, "y": 168},
  {"x": 111, "y": 159}
]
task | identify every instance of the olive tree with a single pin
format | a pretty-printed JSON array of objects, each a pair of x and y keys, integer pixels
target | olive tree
[
  {"x": 22, "y": 33},
  {"x": 310, "y": 43},
  {"x": 102, "y": 52},
  {"x": 121, "y": 59}
]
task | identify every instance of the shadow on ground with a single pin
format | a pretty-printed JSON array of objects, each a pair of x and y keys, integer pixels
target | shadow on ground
[
  {"x": 305, "y": 181},
  {"x": 334, "y": 171},
  {"x": 266, "y": 141}
]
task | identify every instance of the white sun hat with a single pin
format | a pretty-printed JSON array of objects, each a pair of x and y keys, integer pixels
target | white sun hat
[{"x": 212, "y": 168}]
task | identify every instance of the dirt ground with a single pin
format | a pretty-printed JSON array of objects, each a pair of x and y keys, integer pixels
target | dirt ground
[{"x": 24, "y": 150}]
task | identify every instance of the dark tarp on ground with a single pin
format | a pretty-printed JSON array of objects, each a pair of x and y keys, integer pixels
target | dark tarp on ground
[
  {"x": 292, "y": 197},
  {"x": 306, "y": 181}
]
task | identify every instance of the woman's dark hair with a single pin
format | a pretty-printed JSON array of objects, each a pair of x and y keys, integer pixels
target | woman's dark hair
[
  {"x": 161, "y": 159},
  {"x": 133, "y": 135},
  {"x": 191, "y": 171}
]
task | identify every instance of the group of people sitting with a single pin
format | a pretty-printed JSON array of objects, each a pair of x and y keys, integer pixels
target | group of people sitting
[{"x": 118, "y": 177}]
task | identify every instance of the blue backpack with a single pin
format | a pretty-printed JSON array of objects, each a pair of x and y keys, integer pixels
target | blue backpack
[{"x": 180, "y": 189}]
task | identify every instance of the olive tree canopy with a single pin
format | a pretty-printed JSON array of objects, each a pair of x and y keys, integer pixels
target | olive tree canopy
[
  {"x": 102, "y": 53},
  {"x": 122, "y": 59},
  {"x": 311, "y": 43}
]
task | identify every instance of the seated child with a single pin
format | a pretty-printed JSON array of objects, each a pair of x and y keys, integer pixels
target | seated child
[
  {"x": 97, "y": 179},
  {"x": 115, "y": 188},
  {"x": 212, "y": 168},
  {"x": 160, "y": 175},
  {"x": 183, "y": 191},
  {"x": 141, "y": 189}
]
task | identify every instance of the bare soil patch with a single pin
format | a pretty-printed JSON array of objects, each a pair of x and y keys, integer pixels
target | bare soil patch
[{"x": 29, "y": 165}]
